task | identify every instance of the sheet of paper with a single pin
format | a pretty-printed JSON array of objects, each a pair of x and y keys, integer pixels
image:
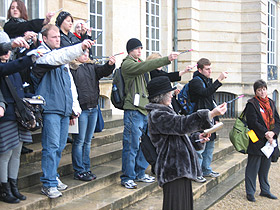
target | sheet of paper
[
  {"x": 74, "y": 128},
  {"x": 215, "y": 128}
]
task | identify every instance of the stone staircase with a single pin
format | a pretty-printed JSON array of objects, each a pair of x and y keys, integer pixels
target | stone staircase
[{"x": 105, "y": 192}]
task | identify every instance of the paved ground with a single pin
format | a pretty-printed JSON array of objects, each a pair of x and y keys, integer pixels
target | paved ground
[{"x": 236, "y": 199}]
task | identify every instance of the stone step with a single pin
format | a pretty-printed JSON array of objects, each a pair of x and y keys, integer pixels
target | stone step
[
  {"x": 105, "y": 137},
  {"x": 29, "y": 175},
  {"x": 117, "y": 197},
  {"x": 231, "y": 167},
  {"x": 107, "y": 174},
  {"x": 110, "y": 121}
]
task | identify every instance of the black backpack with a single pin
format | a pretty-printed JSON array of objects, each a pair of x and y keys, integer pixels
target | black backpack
[
  {"x": 118, "y": 89},
  {"x": 148, "y": 149}
]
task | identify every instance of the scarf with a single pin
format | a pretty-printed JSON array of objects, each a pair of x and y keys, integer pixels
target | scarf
[
  {"x": 268, "y": 114},
  {"x": 77, "y": 35}
]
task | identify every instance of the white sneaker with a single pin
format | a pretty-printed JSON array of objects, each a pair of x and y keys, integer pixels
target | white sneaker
[
  {"x": 130, "y": 184},
  {"x": 200, "y": 179},
  {"x": 60, "y": 185},
  {"x": 146, "y": 178},
  {"x": 51, "y": 192}
]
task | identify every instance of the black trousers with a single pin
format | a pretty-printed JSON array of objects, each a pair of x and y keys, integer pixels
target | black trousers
[
  {"x": 257, "y": 165},
  {"x": 177, "y": 195}
]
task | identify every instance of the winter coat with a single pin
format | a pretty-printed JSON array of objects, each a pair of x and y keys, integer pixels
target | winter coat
[
  {"x": 173, "y": 76},
  {"x": 176, "y": 155},
  {"x": 132, "y": 70},
  {"x": 16, "y": 27},
  {"x": 54, "y": 80},
  {"x": 11, "y": 69},
  {"x": 68, "y": 40},
  {"x": 256, "y": 123},
  {"x": 86, "y": 77},
  {"x": 203, "y": 96}
]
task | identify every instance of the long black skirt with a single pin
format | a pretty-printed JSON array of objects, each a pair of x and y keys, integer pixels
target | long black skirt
[{"x": 177, "y": 195}]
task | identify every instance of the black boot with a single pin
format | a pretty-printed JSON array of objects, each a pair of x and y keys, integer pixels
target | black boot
[
  {"x": 14, "y": 189},
  {"x": 6, "y": 194}
]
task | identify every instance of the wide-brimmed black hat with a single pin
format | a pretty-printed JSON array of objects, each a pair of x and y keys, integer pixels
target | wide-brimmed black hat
[{"x": 159, "y": 85}]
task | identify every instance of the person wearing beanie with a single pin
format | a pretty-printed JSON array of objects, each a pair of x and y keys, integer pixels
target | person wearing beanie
[
  {"x": 134, "y": 72},
  {"x": 13, "y": 135},
  {"x": 177, "y": 162},
  {"x": 64, "y": 22}
]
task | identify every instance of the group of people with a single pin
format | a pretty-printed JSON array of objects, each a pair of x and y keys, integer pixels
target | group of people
[
  {"x": 69, "y": 83},
  {"x": 65, "y": 78},
  {"x": 181, "y": 158}
]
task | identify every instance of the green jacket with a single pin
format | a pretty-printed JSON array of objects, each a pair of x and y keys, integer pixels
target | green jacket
[{"x": 132, "y": 70}]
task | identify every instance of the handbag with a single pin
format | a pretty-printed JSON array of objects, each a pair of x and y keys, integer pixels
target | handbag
[
  {"x": 238, "y": 134},
  {"x": 100, "y": 122},
  {"x": 148, "y": 149},
  {"x": 28, "y": 114}
]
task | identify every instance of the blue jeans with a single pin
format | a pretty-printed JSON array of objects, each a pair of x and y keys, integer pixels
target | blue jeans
[
  {"x": 82, "y": 141},
  {"x": 134, "y": 163},
  {"x": 54, "y": 138},
  {"x": 205, "y": 157}
]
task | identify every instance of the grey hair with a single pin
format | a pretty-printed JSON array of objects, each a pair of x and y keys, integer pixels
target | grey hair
[{"x": 159, "y": 99}]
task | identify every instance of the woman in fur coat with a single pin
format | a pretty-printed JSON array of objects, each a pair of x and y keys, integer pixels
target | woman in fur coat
[{"x": 177, "y": 162}]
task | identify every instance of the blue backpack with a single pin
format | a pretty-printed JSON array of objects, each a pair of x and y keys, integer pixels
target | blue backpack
[{"x": 185, "y": 99}]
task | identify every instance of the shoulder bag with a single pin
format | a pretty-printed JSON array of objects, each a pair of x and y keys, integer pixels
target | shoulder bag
[{"x": 238, "y": 134}]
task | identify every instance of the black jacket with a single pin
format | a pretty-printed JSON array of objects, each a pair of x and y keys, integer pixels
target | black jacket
[
  {"x": 204, "y": 96},
  {"x": 86, "y": 77},
  {"x": 16, "y": 27},
  {"x": 256, "y": 122},
  {"x": 68, "y": 40},
  {"x": 173, "y": 76}
]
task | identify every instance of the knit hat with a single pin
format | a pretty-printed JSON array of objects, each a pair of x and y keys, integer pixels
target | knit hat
[
  {"x": 4, "y": 37},
  {"x": 133, "y": 44},
  {"x": 159, "y": 85},
  {"x": 61, "y": 17}
]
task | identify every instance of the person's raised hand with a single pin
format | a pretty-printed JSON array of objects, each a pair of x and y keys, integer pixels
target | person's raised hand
[
  {"x": 219, "y": 110},
  {"x": 48, "y": 18},
  {"x": 87, "y": 43},
  {"x": 20, "y": 42},
  {"x": 223, "y": 76},
  {"x": 112, "y": 60},
  {"x": 173, "y": 56}
]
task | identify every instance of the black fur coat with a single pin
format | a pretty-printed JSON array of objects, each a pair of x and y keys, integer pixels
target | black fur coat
[{"x": 177, "y": 157}]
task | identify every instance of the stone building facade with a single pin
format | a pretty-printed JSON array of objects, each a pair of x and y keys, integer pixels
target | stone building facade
[{"x": 238, "y": 36}]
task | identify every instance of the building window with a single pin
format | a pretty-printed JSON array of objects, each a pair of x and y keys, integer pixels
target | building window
[
  {"x": 271, "y": 41},
  {"x": 152, "y": 26},
  {"x": 97, "y": 23},
  {"x": 222, "y": 97},
  {"x": 35, "y": 9}
]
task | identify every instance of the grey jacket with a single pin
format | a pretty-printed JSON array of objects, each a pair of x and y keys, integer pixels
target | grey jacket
[{"x": 177, "y": 157}]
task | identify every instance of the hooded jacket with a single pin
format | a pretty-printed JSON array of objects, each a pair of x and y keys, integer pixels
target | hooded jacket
[
  {"x": 256, "y": 123},
  {"x": 86, "y": 77},
  {"x": 176, "y": 154}
]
